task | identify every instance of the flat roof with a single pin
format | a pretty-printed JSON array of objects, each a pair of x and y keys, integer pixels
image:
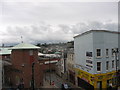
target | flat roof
[
  {"x": 25, "y": 46},
  {"x": 5, "y": 51},
  {"x": 87, "y": 32}
]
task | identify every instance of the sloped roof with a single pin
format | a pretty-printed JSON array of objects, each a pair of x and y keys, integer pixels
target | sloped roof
[
  {"x": 5, "y": 51},
  {"x": 57, "y": 52},
  {"x": 40, "y": 54},
  {"x": 25, "y": 46}
]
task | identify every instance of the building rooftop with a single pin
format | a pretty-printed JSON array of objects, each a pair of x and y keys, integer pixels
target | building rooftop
[
  {"x": 25, "y": 46},
  {"x": 87, "y": 32},
  {"x": 5, "y": 51}
]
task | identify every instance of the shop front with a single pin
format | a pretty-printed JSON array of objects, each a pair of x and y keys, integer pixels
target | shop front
[{"x": 96, "y": 81}]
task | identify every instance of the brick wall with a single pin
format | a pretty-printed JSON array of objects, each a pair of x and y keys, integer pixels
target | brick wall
[{"x": 22, "y": 68}]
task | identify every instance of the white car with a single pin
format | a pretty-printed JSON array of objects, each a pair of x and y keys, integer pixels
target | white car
[{"x": 65, "y": 86}]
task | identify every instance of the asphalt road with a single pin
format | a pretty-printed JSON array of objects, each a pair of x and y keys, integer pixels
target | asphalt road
[{"x": 57, "y": 80}]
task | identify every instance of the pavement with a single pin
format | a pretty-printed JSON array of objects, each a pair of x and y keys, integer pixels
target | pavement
[{"x": 58, "y": 81}]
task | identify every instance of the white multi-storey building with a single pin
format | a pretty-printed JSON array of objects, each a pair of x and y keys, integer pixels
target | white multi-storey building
[{"x": 95, "y": 61}]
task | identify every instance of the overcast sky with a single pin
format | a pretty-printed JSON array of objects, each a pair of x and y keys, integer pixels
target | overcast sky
[{"x": 55, "y": 21}]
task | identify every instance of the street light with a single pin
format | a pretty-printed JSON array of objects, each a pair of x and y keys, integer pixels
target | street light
[
  {"x": 33, "y": 64},
  {"x": 50, "y": 71},
  {"x": 115, "y": 51}
]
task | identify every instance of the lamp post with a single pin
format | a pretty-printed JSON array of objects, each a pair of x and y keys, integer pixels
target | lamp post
[
  {"x": 33, "y": 64},
  {"x": 50, "y": 71},
  {"x": 116, "y": 55}
]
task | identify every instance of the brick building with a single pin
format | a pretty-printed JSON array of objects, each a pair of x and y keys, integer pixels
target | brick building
[
  {"x": 48, "y": 64},
  {"x": 22, "y": 57}
]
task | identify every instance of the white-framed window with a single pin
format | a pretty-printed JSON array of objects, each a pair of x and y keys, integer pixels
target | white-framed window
[
  {"x": 99, "y": 66},
  {"x": 107, "y": 52},
  {"x": 113, "y": 63},
  {"x": 89, "y": 54},
  {"x": 98, "y": 52},
  {"x": 107, "y": 65}
]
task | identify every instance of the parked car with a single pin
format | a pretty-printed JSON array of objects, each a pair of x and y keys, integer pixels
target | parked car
[{"x": 65, "y": 86}]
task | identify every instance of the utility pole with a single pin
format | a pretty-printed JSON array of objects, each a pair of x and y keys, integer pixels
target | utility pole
[
  {"x": 33, "y": 64},
  {"x": 50, "y": 71},
  {"x": 116, "y": 53}
]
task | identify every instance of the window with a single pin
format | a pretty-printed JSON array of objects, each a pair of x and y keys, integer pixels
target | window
[
  {"x": 89, "y": 66},
  {"x": 98, "y": 52},
  {"x": 89, "y": 54},
  {"x": 106, "y": 52},
  {"x": 112, "y": 52},
  {"x": 31, "y": 52},
  {"x": 107, "y": 65},
  {"x": 98, "y": 66},
  {"x": 113, "y": 64},
  {"x": 89, "y": 61}
]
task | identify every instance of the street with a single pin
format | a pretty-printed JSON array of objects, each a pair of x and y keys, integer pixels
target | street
[{"x": 58, "y": 81}]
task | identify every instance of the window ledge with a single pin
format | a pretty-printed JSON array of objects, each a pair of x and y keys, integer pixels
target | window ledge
[
  {"x": 98, "y": 57},
  {"x": 98, "y": 71}
]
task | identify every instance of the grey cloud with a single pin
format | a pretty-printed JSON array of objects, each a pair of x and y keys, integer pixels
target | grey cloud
[
  {"x": 94, "y": 25},
  {"x": 49, "y": 33},
  {"x": 65, "y": 28},
  {"x": 111, "y": 26},
  {"x": 55, "y": 12},
  {"x": 79, "y": 28}
]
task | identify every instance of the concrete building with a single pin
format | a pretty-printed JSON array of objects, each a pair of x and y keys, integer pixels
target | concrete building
[
  {"x": 0, "y": 74},
  {"x": 48, "y": 66},
  {"x": 5, "y": 55},
  {"x": 22, "y": 57},
  {"x": 95, "y": 61},
  {"x": 61, "y": 65},
  {"x": 48, "y": 62},
  {"x": 70, "y": 65}
]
